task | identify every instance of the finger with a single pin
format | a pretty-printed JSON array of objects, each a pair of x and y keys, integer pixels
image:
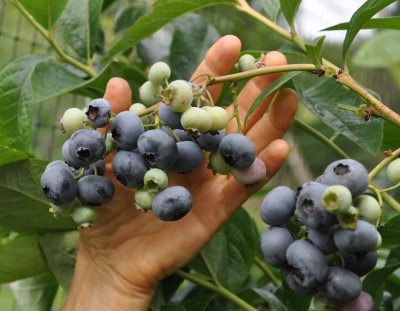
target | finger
[
  {"x": 252, "y": 90},
  {"x": 274, "y": 124},
  {"x": 219, "y": 60},
  {"x": 118, "y": 94}
]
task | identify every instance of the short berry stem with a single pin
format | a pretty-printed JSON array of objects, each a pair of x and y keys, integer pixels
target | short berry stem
[{"x": 235, "y": 107}]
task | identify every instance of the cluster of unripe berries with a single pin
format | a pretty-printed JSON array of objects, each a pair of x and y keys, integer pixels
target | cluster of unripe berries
[
  {"x": 172, "y": 130},
  {"x": 324, "y": 237}
]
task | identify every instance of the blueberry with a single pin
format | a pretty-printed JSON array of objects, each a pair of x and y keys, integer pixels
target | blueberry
[
  {"x": 359, "y": 263},
  {"x": 340, "y": 285},
  {"x": 59, "y": 185},
  {"x": 84, "y": 216},
  {"x": 144, "y": 199},
  {"x": 274, "y": 243},
  {"x": 196, "y": 121},
  {"x": 337, "y": 199},
  {"x": 137, "y": 108},
  {"x": 290, "y": 280},
  {"x": 99, "y": 112},
  {"x": 278, "y": 206},
  {"x": 307, "y": 263},
  {"x": 158, "y": 73},
  {"x": 237, "y": 151},
  {"x": 178, "y": 95},
  {"x": 182, "y": 135},
  {"x": 100, "y": 167},
  {"x": 349, "y": 173},
  {"x": 368, "y": 208},
  {"x": 393, "y": 171},
  {"x": 364, "y": 302},
  {"x": 126, "y": 129},
  {"x": 323, "y": 240},
  {"x": 129, "y": 168},
  {"x": 72, "y": 120},
  {"x": 86, "y": 147},
  {"x": 210, "y": 141},
  {"x": 68, "y": 158},
  {"x": 95, "y": 190},
  {"x": 158, "y": 149},
  {"x": 361, "y": 239},
  {"x": 252, "y": 175},
  {"x": 150, "y": 93},
  {"x": 62, "y": 210},
  {"x": 172, "y": 203},
  {"x": 220, "y": 117},
  {"x": 217, "y": 164},
  {"x": 310, "y": 210},
  {"x": 190, "y": 157},
  {"x": 170, "y": 117},
  {"x": 57, "y": 163},
  {"x": 155, "y": 179},
  {"x": 247, "y": 62}
]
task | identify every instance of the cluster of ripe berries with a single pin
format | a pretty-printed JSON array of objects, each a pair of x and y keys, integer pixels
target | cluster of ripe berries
[
  {"x": 172, "y": 130},
  {"x": 324, "y": 237}
]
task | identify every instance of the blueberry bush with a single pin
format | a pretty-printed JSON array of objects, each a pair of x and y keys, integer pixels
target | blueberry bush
[{"x": 331, "y": 244}]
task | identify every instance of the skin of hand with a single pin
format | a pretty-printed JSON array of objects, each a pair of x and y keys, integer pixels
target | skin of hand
[{"x": 127, "y": 252}]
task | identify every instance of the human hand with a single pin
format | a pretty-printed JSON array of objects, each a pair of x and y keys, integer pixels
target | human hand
[{"x": 124, "y": 256}]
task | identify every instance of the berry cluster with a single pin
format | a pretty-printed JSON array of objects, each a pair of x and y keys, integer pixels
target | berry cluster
[
  {"x": 171, "y": 131},
  {"x": 323, "y": 237}
]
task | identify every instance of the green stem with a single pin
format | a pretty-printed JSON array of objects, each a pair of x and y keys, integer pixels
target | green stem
[
  {"x": 383, "y": 163},
  {"x": 236, "y": 107},
  {"x": 261, "y": 71},
  {"x": 310, "y": 130},
  {"x": 378, "y": 109},
  {"x": 49, "y": 37},
  {"x": 390, "y": 188},
  {"x": 218, "y": 289},
  {"x": 262, "y": 265},
  {"x": 213, "y": 276},
  {"x": 388, "y": 198}
]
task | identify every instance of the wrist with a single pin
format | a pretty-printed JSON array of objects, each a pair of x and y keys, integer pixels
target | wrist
[{"x": 96, "y": 286}]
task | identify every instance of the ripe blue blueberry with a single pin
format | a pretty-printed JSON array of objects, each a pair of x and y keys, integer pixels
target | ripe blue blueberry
[
  {"x": 99, "y": 112},
  {"x": 170, "y": 117},
  {"x": 359, "y": 263},
  {"x": 126, "y": 129},
  {"x": 190, "y": 157},
  {"x": 129, "y": 168},
  {"x": 210, "y": 141},
  {"x": 237, "y": 151},
  {"x": 278, "y": 206},
  {"x": 323, "y": 240},
  {"x": 288, "y": 275},
  {"x": 172, "y": 203},
  {"x": 86, "y": 147},
  {"x": 58, "y": 185},
  {"x": 95, "y": 190}
]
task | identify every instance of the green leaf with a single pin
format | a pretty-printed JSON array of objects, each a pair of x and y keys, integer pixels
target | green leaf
[
  {"x": 8, "y": 155},
  {"x": 272, "y": 8},
  {"x": 375, "y": 23},
  {"x": 272, "y": 87},
  {"x": 376, "y": 278},
  {"x": 79, "y": 25},
  {"x": 171, "y": 284},
  {"x": 314, "y": 50},
  {"x": 380, "y": 51},
  {"x": 45, "y": 12},
  {"x": 36, "y": 293},
  {"x": 272, "y": 300},
  {"x": 289, "y": 9},
  {"x": 60, "y": 250},
  {"x": 390, "y": 232},
  {"x": 23, "y": 207},
  {"x": 20, "y": 259},
  {"x": 192, "y": 38},
  {"x": 164, "y": 11},
  {"x": 129, "y": 17},
  {"x": 49, "y": 79},
  {"x": 391, "y": 137},
  {"x": 156, "y": 301},
  {"x": 321, "y": 99},
  {"x": 198, "y": 298},
  {"x": 173, "y": 308},
  {"x": 359, "y": 18},
  {"x": 292, "y": 49},
  {"x": 230, "y": 253},
  {"x": 15, "y": 99}
]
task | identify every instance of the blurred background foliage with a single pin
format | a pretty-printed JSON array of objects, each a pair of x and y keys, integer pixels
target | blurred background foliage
[{"x": 375, "y": 63}]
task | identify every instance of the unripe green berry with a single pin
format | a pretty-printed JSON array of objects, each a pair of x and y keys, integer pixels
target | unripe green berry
[
  {"x": 378, "y": 243},
  {"x": 217, "y": 164},
  {"x": 393, "y": 171},
  {"x": 72, "y": 120},
  {"x": 368, "y": 208},
  {"x": 219, "y": 116},
  {"x": 62, "y": 211},
  {"x": 138, "y": 108},
  {"x": 144, "y": 199},
  {"x": 349, "y": 218},
  {"x": 84, "y": 216},
  {"x": 196, "y": 120},
  {"x": 155, "y": 180},
  {"x": 247, "y": 62},
  {"x": 178, "y": 95},
  {"x": 337, "y": 199},
  {"x": 150, "y": 94},
  {"x": 324, "y": 304},
  {"x": 158, "y": 73},
  {"x": 111, "y": 144}
]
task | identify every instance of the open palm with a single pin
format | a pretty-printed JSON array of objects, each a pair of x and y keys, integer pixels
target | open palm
[{"x": 127, "y": 252}]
